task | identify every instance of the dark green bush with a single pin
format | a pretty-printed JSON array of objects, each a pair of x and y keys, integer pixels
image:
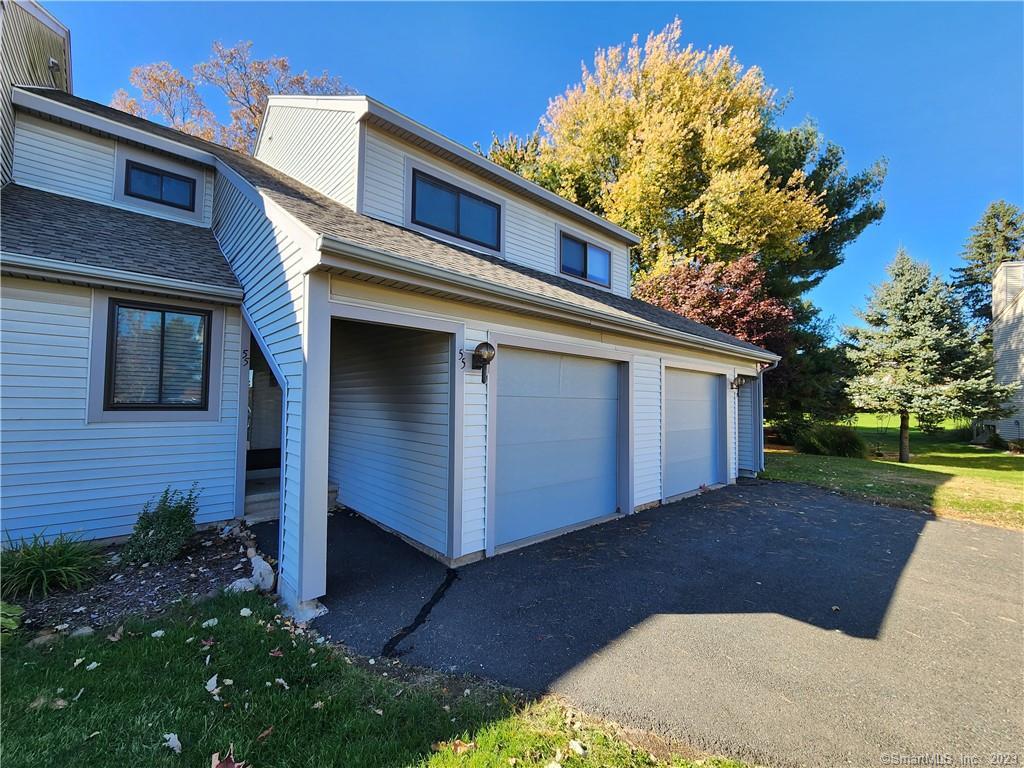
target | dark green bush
[
  {"x": 996, "y": 442},
  {"x": 36, "y": 566},
  {"x": 163, "y": 528},
  {"x": 831, "y": 440}
]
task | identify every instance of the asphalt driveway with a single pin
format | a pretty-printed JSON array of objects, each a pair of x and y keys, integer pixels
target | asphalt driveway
[{"x": 778, "y": 623}]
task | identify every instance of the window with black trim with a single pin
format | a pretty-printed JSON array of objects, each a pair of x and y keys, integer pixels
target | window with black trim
[
  {"x": 159, "y": 186},
  {"x": 586, "y": 260},
  {"x": 446, "y": 208},
  {"x": 158, "y": 357}
]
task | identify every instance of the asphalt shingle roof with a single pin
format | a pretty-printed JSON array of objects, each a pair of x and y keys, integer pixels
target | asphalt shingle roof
[
  {"x": 50, "y": 226},
  {"x": 329, "y": 218}
]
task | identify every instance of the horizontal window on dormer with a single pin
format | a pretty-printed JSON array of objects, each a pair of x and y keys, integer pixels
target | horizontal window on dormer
[
  {"x": 159, "y": 186},
  {"x": 585, "y": 260},
  {"x": 443, "y": 207}
]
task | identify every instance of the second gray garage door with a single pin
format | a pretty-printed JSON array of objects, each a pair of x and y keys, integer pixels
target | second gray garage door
[
  {"x": 557, "y": 442},
  {"x": 694, "y": 431}
]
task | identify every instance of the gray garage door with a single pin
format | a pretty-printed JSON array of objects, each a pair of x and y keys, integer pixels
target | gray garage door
[
  {"x": 694, "y": 425},
  {"x": 557, "y": 447}
]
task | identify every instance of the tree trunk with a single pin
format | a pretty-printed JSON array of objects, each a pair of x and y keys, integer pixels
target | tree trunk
[{"x": 904, "y": 438}]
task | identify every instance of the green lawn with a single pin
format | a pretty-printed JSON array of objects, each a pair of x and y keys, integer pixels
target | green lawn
[
  {"x": 290, "y": 702},
  {"x": 947, "y": 477}
]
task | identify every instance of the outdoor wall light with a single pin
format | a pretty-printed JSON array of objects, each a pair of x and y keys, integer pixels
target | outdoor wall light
[
  {"x": 482, "y": 356},
  {"x": 740, "y": 379}
]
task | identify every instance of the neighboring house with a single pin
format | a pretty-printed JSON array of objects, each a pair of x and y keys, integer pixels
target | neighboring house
[
  {"x": 313, "y": 321},
  {"x": 1008, "y": 342}
]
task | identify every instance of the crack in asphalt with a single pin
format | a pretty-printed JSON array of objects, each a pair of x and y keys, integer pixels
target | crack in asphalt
[{"x": 389, "y": 649}]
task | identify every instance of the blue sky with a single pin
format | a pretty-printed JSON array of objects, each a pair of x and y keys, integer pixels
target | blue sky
[{"x": 937, "y": 89}]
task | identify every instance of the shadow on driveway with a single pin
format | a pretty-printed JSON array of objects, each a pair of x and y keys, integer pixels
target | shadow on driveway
[{"x": 757, "y": 620}]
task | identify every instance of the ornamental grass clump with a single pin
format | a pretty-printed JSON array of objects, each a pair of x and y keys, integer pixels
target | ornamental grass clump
[
  {"x": 163, "y": 528},
  {"x": 37, "y": 566},
  {"x": 831, "y": 440}
]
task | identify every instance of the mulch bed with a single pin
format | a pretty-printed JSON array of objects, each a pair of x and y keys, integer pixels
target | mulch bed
[{"x": 208, "y": 564}]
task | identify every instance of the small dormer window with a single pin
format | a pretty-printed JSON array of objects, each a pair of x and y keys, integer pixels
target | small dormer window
[
  {"x": 585, "y": 260},
  {"x": 453, "y": 211},
  {"x": 159, "y": 186}
]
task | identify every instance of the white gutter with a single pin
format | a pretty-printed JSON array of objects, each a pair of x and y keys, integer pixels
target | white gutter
[
  {"x": 561, "y": 308},
  {"x": 67, "y": 270}
]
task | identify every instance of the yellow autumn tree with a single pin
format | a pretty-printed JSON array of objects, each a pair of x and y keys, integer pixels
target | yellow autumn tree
[{"x": 663, "y": 140}]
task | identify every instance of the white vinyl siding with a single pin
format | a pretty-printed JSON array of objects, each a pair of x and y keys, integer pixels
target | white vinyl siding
[
  {"x": 1008, "y": 353},
  {"x": 390, "y": 427},
  {"x": 267, "y": 262},
  {"x": 745, "y": 431},
  {"x": 60, "y": 159},
  {"x": 646, "y": 429},
  {"x": 319, "y": 147},
  {"x": 62, "y": 474},
  {"x": 530, "y": 231},
  {"x": 474, "y": 448},
  {"x": 67, "y": 161},
  {"x": 25, "y": 52}
]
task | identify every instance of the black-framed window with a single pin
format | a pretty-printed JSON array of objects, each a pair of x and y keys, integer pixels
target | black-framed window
[
  {"x": 446, "y": 208},
  {"x": 158, "y": 357},
  {"x": 586, "y": 260},
  {"x": 159, "y": 186}
]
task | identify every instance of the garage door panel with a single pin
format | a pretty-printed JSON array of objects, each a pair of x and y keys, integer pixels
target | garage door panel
[
  {"x": 545, "y": 464},
  {"x": 557, "y": 443},
  {"x": 693, "y": 424},
  {"x": 583, "y": 377},
  {"x": 586, "y": 419}
]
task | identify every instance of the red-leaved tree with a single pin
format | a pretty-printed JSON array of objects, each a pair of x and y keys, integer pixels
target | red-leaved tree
[{"x": 730, "y": 297}]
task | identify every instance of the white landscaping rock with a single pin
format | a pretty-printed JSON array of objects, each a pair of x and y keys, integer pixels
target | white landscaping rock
[
  {"x": 262, "y": 574},
  {"x": 306, "y": 611},
  {"x": 241, "y": 585}
]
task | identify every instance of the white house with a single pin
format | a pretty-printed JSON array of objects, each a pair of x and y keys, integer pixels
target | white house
[
  {"x": 448, "y": 348},
  {"x": 1008, "y": 342}
]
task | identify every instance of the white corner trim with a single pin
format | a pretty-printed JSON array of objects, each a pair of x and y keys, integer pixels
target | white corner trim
[{"x": 118, "y": 278}]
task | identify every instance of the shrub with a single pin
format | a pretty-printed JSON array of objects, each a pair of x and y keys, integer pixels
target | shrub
[
  {"x": 10, "y": 620},
  {"x": 36, "y": 566},
  {"x": 831, "y": 440},
  {"x": 163, "y": 528},
  {"x": 995, "y": 441}
]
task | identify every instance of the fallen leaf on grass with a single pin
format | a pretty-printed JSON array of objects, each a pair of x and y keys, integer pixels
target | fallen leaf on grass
[
  {"x": 207, "y": 643},
  {"x": 265, "y": 734},
  {"x": 228, "y": 761},
  {"x": 158, "y": 634},
  {"x": 79, "y": 694},
  {"x": 318, "y": 705},
  {"x": 172, "y": 743},
  {"x": 116, "y": 635},
  {"x": 77, "y": 662},
  {"x": 91, "y": 666},
  {"x": 93, "y": 734},
  {"x": 245, "y": 612},
  {"x": 458, "y": 746},
  {"x": 209, "y": 623},
  {"x": 277, "y": 652},
  {"x": 377, "y": 712},
  {"x": 577, "y": 747},
  {"x": 281, "y": 682},
  {"x": 37, "y": 702}
]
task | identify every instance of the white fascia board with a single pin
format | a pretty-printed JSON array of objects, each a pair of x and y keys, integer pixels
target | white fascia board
[
  {"x": 118, "y": 278},
  {"x": 43, "y": 105},
  {"x": 515, "y": 298}
]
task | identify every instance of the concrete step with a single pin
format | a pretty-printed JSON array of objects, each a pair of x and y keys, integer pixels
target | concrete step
[{"x": 266, "y": 505}]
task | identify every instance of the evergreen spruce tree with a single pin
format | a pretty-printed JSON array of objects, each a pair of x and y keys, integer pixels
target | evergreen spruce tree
[
  {"x": 918, "y": 355},
  {"x": 997, "y": 237}
]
